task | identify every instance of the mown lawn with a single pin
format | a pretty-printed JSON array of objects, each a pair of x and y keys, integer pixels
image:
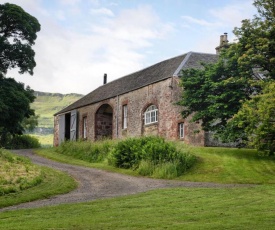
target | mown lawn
[
  {"x": 231, "y": 165},
  {"x": 250, "y": 207},
  {"x": 179, "y": 208}
]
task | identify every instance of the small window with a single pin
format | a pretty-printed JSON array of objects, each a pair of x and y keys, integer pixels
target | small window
[
  {"x": 84, "y": 127},
  {"x": 181, "y": 130},
  {"x": 151, "y": 115},
  {"x": 125, "y": 116}
]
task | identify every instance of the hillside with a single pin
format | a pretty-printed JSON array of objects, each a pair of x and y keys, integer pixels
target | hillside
[{"x": 47, "y": 104}]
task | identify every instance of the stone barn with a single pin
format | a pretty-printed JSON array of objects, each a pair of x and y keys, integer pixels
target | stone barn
[{"x": 141, "y": 103}]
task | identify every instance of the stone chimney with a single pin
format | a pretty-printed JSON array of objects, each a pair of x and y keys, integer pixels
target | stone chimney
[
  {"x": 105, "y": 78},
  {"x": 223, "y": 43}
]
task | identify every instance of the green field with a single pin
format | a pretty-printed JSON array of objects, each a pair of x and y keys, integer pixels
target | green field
[
  {"x": 47, "y": 104},
  {"x": 249, "y": 207},
  {"x": 45, "y": 140}
]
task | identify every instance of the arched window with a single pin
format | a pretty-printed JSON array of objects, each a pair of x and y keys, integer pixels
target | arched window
[{"x": 151, "y": 115}]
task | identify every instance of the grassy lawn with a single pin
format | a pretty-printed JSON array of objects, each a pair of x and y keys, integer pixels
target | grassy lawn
[
  {"x": 21, "y": 181},
  {"x": 225, "y": 165},
  {"x": 178, "y": 208},
  {"x": 246, "y": 208},
  {"x": 220, "y": 165}
]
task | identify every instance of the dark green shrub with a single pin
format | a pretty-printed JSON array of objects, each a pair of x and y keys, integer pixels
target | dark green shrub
[
  {"x": 127, "y": 153},
  {"x": 151, "y": 156},
  {"x": 22, "y": 142}
]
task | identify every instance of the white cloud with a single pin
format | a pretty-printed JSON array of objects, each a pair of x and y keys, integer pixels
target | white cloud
[
  {"x": 200, "y": 22},
  {"x": 70, "y": 2},
  {"x": 206, "y": 33},
  {"x": 232, "y": 15},
  {"x": 102, "y": 11},
  {"x": 137, "y": 26},
  {"x": 69, "y": 61},
  {"x": 74, "y": 48},
  {"x": 60, "y": 14}
]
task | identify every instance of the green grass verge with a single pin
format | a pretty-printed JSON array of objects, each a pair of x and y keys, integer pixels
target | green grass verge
[
  {"x": 231, "y": 165},
  {"x": 23, "y": 185},
  {"x": 17, "y": 173},
  {"x": 180, "y": 208},
  {"x": 50, "y": 153},
  {"x": 220, "y": 165},
  {"x": 54, "y": 183}
]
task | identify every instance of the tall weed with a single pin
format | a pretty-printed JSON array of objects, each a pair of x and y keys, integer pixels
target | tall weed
[
  {"x": 87, "y": 151},
  {"x": 17, "y": 173},
  {"x": 151, "y": 156}
]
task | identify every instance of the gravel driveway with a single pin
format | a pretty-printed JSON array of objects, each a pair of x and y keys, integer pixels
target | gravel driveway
[{"x": 98, "y": 184}]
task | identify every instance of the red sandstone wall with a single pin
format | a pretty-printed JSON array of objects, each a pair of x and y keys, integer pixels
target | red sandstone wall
[
  {"x": 164, "y": 95},
  {"x": 56, "y": 131}
]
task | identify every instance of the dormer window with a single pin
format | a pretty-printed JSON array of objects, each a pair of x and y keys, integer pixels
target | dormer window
[{"x": 151, "y": 115}]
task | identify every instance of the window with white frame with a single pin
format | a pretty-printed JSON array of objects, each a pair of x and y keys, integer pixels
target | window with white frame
[
  {"x": 151, "y": 115},
  {"x": 125, "y": 116},
  {"x": 181, "y": 130},
  {"x": 84, "y": 127}
]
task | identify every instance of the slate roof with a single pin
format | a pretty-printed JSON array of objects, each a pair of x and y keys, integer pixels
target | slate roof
[{"x": 139, "y": 79}]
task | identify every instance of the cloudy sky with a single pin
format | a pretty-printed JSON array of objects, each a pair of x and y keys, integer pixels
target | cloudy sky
[{"x": 80, "y": 40}]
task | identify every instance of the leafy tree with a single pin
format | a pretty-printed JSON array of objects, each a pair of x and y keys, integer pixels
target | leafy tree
[
  {"x": 257, "y": 118},
  {"x": 30, "y": 123},
  {"x": 15, "y": 102},
  {"x": 256, "y": 38},
  {"x": 217, "y": 92},
  {"x": 17, "y": 35}
]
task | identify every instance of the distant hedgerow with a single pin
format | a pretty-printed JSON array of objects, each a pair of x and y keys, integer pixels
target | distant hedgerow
[{"x": 22, "y": 142}]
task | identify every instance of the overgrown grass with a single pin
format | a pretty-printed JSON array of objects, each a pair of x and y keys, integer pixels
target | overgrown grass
[
  {"x": 21, "y": 181},
  {"x": 17, "y": 173},
  {"x": 88, "y": 151},
  {"x": 148, "y": 156},
  {"x": 151, "y": 156}
]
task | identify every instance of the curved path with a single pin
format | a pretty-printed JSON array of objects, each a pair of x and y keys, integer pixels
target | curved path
[{"x": 98, "y": 184}]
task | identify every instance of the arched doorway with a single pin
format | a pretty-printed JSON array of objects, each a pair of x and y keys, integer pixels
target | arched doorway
[{"x": 104, "y": 122}]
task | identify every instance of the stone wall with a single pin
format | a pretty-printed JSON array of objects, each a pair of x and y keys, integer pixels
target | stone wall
[
  {"x": 56, "y": 131},
  {"x": 163, "y": 95}
]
